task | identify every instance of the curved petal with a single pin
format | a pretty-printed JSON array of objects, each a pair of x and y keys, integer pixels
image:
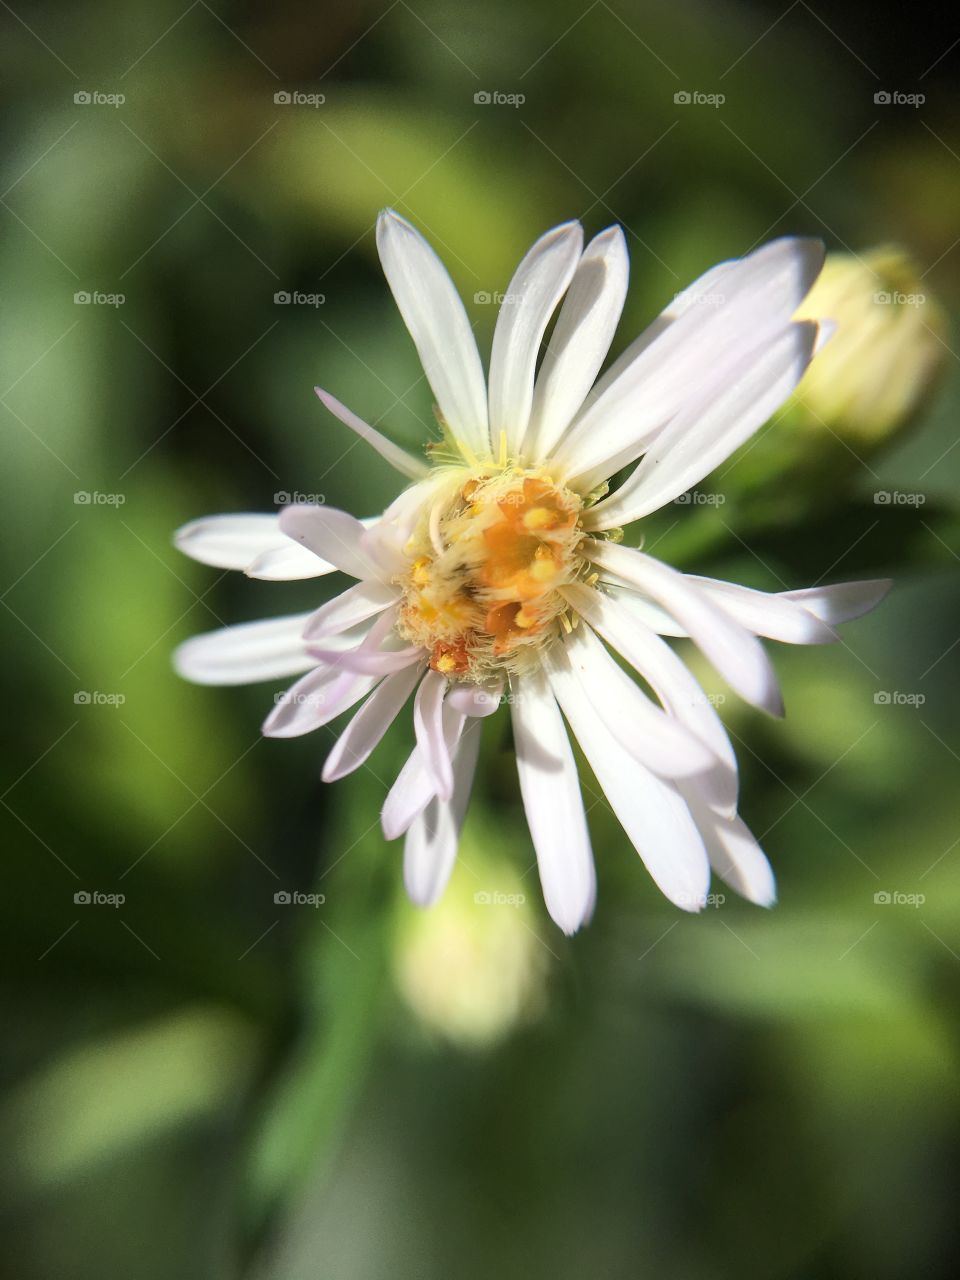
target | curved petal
[
  {"x": 414, "y": 787},
  {"x": 767, "y": 614},
  {"x": 428, "y": 729},
  {"x": 438, "y": 325},
  {"x": 349, "y": 608},
  {"x": 843, "y": 601},
  {"x": 246, "y": 653},
  {"x": 537, "y": 286},
  {"x": 734, "y": 853},
  {"x": 232, "y": 541},
  {"x": 652, "y": 812},
  {"x": 580, "y": 341},
  {"x": 430, "y": 849},
  {"x": 691, "y": 357},
  {"x": 333, "y": 535},
  {"x": 651, "y": 736},
  {"x": 476, "y": 700},
  {"x": 550, "y": 788},
  {"x": 707, "y": 431},
  {"x": 671, "y": 682},
  {"x": 405, "y": 463},
  {"x": 314, "y": 701},
  {"x": 734, "y": 651},
  {"x": 364, "y": 732}
]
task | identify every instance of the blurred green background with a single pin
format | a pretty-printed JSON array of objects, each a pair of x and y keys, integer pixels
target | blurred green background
[{"x": 201, "y": 1082}]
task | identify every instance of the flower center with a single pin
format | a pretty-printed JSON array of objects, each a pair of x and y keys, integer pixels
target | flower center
[{"x": 488, "y": 559}]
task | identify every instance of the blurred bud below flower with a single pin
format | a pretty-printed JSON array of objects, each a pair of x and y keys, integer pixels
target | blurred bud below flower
[
  {"x": 472, "y": 968},
  {"x": 878, "y": 368}
]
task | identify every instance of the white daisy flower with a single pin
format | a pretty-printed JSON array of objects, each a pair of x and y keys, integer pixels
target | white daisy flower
[{"x": 498, "y": 571}]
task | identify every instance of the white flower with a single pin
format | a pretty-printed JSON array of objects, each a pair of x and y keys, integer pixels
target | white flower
[{"x": 498, "y": 567}]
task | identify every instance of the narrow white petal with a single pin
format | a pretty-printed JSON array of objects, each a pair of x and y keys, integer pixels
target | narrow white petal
[
  {"x": 671, "y": 682},
  {"x": 709, "y": 429},
  {"x": 648, "y": 733},
  {"x": 693, "y": 354},
  {"x": 537, "y": 286},
  {"x": 404, "y": 462},
  {"x": 315, "y": 700},
  {"x": 842, "y": 601},
  {"x": 428, "y": 728},
  {"x": 767, "y": 614},
  {"x": 580, "y": 341},
  {"x": 650, "y": 613},
  {"x": 246, "y": 653},
  {"x": 552, "y": 802},
  {"x": 364, "y": 732},
  {"x": 230, "y": 541},
  {"x": 333, "y": 535},
  {"x": 737, "y": 655},
  {"x": 290, "y": 562},
  {"x": 430, "y": 848},
  {"x": 414, "y": 787},
  {"x": 651, "y": 811},
  {"x": 351, "y": 607},
  {"x": 734, "y": 853},
  {"x": 438, "y": 324}
]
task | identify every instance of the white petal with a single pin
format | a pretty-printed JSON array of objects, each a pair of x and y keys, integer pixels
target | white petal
[
  {"x": 842, "y": 601},
  {"x": 404, "y": 462},
  {"x": 648, "y": 733},
  {"x": 231, "y": 541},
  {"x": 650, "y": 613},
  {"x": 430, "y": 849},
  {"x": 695, "y": 353},
  {"x": 315, "y": 700},
  {"x": 708, "y": 430},
  {"x": 655, "y": 818},
  {"x": 580, "y": 341},
  {"x": 554, "y": 808},
  {"x": 351, "y": 607},
  {"x": 246, "y": 653},
  {"x": 365, "y": 730},
  {"x": 438, "y": 324},
  {"x": 738, "y": 656},
  {"x": 428, "y": 728},
  {"x": 290, "y": 562},
  {"x": 476, "y": 700},
  {"x": 333, "y": 535},
  {"x": 414, "y": 787},
  {"x": 766, "y": 614},
  {"x": 537, "y": 286},
  {"x": 734, "y": 853},
  {"x": 671, "y": 682}
]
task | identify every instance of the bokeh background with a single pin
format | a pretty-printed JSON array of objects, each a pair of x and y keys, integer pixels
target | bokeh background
[{"x": 201, "y": 1081}]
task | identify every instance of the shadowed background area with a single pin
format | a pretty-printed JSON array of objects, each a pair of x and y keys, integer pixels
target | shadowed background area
[{"x": 232, "y": 1048}]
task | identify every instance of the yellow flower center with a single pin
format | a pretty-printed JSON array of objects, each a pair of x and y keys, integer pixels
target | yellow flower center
[{"x": 487, "y": 561}]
